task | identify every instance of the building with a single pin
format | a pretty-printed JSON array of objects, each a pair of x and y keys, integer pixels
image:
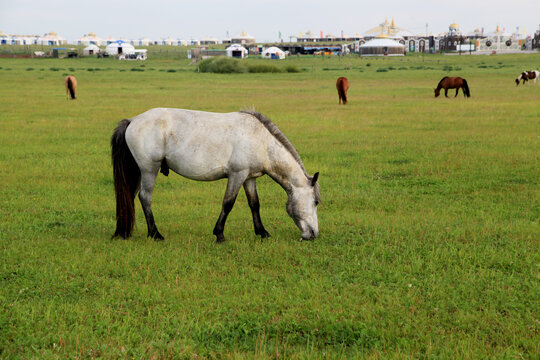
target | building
[
  {"x": 243, "y": 39},
  {"x": 382, "y": 46},
  {"x": 89, "y": 39},
  {"x": 51, "y": 38},
  {"x": 535, "y": 43},
  {"x": 500, "y": 41},
  {"x": 119, "y": 47},
  {"x": 237, "y": 51},
  {"x": 273, "y": 53},
  {"x": 209, "y": 41}
]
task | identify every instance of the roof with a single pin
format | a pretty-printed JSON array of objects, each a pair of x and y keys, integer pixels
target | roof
[{"x": 382, "y": 43}]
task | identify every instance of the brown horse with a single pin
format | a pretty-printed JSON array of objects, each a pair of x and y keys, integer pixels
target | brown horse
[
  {"x": 342, "y": 86},
  {"x": 452, "y": 83},
  {"x": 71, "y": 86}
]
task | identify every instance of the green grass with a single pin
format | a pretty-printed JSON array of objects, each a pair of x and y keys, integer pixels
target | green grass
[{"x": 429, "y": 231}]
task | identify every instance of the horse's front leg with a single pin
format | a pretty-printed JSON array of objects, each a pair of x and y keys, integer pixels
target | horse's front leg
[
  {"x": 233, "y": 187},
  {"x": 446, "y": 92},
  {"x": 250, "y": 187},
  {"x": 457, "y": 90}
]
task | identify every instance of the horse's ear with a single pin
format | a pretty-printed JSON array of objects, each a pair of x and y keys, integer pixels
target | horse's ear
[{"x": 314, "y": 178}]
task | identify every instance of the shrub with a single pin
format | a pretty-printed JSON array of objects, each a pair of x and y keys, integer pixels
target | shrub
[
  {"x": 222, "y": 65},
  {"x": 30, "y": 69},
  {"x": 137, "y": 69},
  {"x": 169, "y": 70},
  {"x": 264, "y": 68},
  {"x": 292, "y": 69},
  {"x": 382, "y": 70}
]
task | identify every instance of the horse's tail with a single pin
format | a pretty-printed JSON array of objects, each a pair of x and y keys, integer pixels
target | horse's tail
[
  {"x": 127, "y": 178},
  {"x": 342, "y": 93},
  {"x": 466, "y": 88},
  {"x": 71, "y": 88}
]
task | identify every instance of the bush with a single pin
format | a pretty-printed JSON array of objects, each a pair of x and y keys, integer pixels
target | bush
[
  {"x": 137, "y": 69},
  {"x": 292, "y": 69},
  {"x": 30, "y": 69},
  {"x": 264, "y": 68},
  {"x": 382, "y": 70},
  {"x": 222, "y": 65}
]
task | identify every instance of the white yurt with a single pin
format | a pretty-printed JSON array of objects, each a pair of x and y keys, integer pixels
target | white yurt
[
  {"x": 119, "y": 47},
  {"x": 382, "y": 46},
  {"x": 91, "y": 50},
  {"x": 89, "y": 39},
  {"x": 244, "y": 39},
  {"x": 273, "y": 53},
  {"x": 51, "y": 38},
  {"x": 237, "y": 51},
  {"x": 141, "y": 42}
]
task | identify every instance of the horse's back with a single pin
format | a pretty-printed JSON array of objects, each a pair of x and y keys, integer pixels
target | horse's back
[
  {"x": 342, "y": 83},
  {"x": 196, "y": 144}
]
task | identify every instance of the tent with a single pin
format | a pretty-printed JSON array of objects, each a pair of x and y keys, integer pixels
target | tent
[
  {"x": 91, "y": 50},
  {"x": 273, "y": 53},
  {"x": 89, "y": 39},
  {"x": 51, "y": 38},
  {"x": 119, "y": 47},
  {"x": 382, "y": 46},
  {"x": 237, "y": 51}
]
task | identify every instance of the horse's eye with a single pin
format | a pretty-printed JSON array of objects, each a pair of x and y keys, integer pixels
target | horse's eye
[{"x": 316, "y": 203}]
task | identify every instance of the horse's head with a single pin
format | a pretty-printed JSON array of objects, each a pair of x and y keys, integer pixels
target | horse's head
[
  {"x": 517, "y": 80},
  {"x": 437, "y": 92},
  {"x": 302, "y": 207}
]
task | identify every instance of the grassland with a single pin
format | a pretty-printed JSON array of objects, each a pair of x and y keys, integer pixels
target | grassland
[{"x": 429, "y": 230}]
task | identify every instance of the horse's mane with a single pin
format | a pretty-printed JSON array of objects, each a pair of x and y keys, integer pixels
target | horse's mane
[
  {"x": 274, "y": 130},
  {"x": 440, "y": 82}
]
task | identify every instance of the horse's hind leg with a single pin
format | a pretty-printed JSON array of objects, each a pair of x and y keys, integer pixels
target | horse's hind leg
[
  {"x": 148, "y": 180},
  {"x": 250, "y": 187}
]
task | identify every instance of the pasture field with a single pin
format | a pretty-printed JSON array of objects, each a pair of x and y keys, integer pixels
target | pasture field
[{"x": 429, "y": 225}]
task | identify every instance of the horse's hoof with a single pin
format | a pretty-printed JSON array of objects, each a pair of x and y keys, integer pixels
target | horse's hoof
[
  {"x": 156, "y": 236},
  {"x": 264, "y": 234},
  {"x": 220, "y": 239}
]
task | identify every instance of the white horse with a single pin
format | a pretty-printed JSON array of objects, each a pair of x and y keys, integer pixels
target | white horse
[{"x": 204, "y": 146}]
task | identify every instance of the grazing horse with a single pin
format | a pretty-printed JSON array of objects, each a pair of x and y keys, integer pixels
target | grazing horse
[
  {"x": 533, "y": 75},
  {"x": 523, "y": 76},
  {"x": 452, "y": 83},
  {"x": 204, "y": 146},
  {"x": 342, "y": 86},
  {"x": 71, "y": 86}
]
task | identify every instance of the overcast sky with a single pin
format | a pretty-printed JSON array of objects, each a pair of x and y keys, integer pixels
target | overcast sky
[{"x": 263, "y": 19}]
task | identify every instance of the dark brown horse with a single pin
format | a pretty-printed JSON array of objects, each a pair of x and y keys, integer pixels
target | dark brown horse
[
  {"x": 342, "y": 86},
  {"x": 71, "y": 86},
  {"x": 452, "y": 83}
]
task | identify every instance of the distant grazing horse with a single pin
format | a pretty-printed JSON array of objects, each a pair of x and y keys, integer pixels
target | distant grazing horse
[
  {"x": 452, "y": 83},
  {"x": 533, "y": 75},
  {"x": 342, "y": 86},
  {"x": 524, "y": 76},
  {"x": 71, "y": 86},
  {"x": 204, "y": 146}
]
